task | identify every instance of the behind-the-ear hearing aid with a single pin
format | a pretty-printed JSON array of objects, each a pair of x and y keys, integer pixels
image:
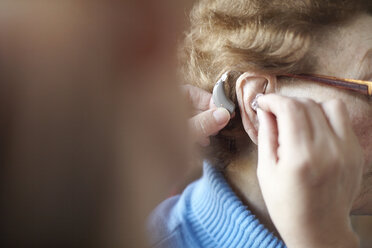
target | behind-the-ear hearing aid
[{"x": 219, "y": 96}]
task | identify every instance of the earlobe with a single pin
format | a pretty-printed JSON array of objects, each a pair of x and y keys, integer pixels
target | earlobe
[{"x": 248, "y": 85}]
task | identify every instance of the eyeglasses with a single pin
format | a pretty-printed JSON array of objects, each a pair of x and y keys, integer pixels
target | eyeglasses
[{"x": 360, "y": 86}]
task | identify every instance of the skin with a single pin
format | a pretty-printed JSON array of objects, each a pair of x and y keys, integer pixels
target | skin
[
  {"x": 347, "y": 57},
  {"x": 205, "y": 122},
  {"x": 324, "y": 174},
  {"x": 202, "y": 124}
]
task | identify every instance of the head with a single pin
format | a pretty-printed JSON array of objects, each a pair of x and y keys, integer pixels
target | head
[
  {"x": 73, "y": 134},
  {"x": 263, "y": 39}
]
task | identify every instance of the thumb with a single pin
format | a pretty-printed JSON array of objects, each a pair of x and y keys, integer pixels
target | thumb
[
  {"x": 208, "y": 122},
  {"x": 267, "y": 139}
]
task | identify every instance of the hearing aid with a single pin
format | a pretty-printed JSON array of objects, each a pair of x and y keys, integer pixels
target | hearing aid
[
  {"x": 219, "y": 96},
  {"x": 254, "y": 104}
]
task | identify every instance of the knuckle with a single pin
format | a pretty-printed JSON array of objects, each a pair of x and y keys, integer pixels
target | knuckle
[
  {"x": 299, "y": 164},
  {"x": 304, "y": 166},
  {"x": 310, "y": 102},
  {"x": 292, "y": 105},
  {"x": 201, "y": 125},
  {"x": 332, "y": 164},
  {"x": 337, "y": 104}
]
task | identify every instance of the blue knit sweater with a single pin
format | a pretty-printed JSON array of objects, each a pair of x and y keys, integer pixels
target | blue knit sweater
[{"x": 208, "y": 214}]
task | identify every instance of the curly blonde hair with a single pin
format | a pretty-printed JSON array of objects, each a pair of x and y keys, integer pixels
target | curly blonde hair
[{"x": 270, "y": 36}]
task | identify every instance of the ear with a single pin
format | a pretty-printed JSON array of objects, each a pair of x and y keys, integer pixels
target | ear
[{"x": 248, "y": 85}]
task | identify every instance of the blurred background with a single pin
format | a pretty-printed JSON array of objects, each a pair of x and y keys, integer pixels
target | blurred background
[{"x": 90, "y": 115}]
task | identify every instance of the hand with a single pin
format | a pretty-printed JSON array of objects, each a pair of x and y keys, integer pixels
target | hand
[
  {"x": 207, "y": 119},
  {"x": 309, "y": 169}
]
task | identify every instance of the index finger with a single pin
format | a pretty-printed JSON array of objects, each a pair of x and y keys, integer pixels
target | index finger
[
  {"x": 209, "y": 122},
  {"x": 267, "y": 140},
  {"x": 197, "y": 97},
  {"x": 292, "y": 121}
]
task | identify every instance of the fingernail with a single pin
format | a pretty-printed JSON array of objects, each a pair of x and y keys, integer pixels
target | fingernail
[
  {"x": 221, "y": 116},
  {"x": 254, "y": 104}
]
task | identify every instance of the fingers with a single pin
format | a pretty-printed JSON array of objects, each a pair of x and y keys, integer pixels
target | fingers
[
  {"x": 316, "y": 118},
  {"x": 338, "y": 117},
  {"x": 267, "y": 139},
  {"x": 304, "y": 125},
  {"x": 292, "y": 120},
  {"x": 198, "y": 98},
  {"x": 208, "y": 123}
]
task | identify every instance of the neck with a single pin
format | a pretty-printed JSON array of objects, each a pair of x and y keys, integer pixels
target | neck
[{"x": 242, "y": 177}]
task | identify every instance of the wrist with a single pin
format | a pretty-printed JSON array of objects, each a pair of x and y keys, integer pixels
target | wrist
[
  {"x": 346, "y": 240},
  {"x": 336, "y": 232},
  {"x": 334, "y": 236}
]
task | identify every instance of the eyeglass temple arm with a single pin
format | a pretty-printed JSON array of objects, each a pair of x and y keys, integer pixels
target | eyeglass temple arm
[{"x": 363, "y": 87}]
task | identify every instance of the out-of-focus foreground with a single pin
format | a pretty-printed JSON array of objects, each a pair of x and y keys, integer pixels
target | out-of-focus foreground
[{"x": 80, "y": 81}]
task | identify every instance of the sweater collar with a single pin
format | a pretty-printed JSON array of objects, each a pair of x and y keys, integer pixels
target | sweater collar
[{"x": 220, "y": 219}]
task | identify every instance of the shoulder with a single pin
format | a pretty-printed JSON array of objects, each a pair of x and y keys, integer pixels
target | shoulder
[
  {"x": 163, "y": 220},
  {"x": 169, "y": 224},
  {"x": 164, "y": 225}
]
